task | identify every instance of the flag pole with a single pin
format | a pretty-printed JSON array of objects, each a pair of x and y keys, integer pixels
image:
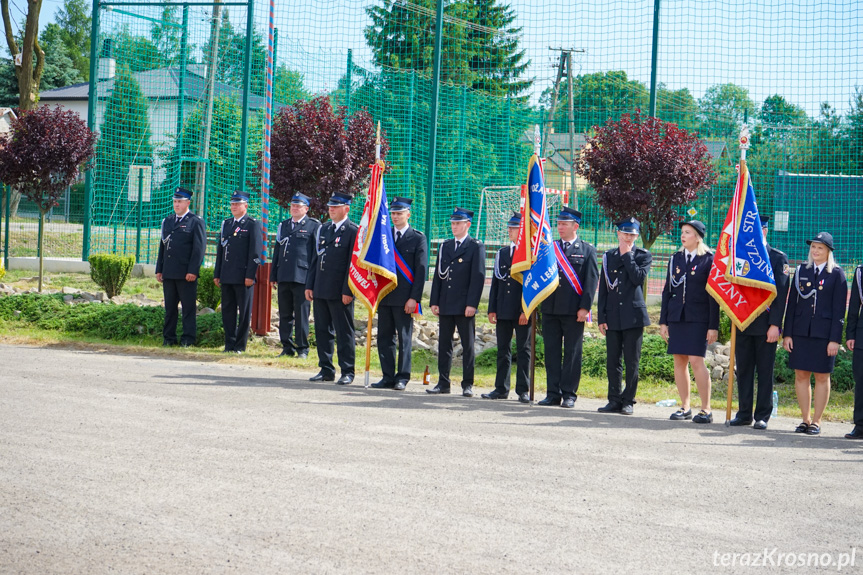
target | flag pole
[
  {"x": 371, "y": 314},
  {"x": 731, "y": 374},
  {"x": 532, "y": 353}
]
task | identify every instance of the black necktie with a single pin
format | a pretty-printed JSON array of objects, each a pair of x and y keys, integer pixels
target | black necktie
[
  {"x": 293, "y": 225},
  {"x": 511, "y": 251},
  {"x": 179, "y": 219},
  {"x": 565, "y": 246},
  {"x": 398, "y": 236},
  {"x": 688, "y": 259},
  {"x": 457, "y": 243}
]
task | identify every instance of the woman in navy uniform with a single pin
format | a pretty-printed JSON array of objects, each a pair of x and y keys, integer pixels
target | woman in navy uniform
[
  {"x": 506, "y": 312},
  {"x": 756, "y": 347},
  {"x": 565, "y": 311},
  {"x": 689, "y": 319},
  {"x": 327, "y": 286},
  {"x": 292, "y": 255},
  {"x": 853, "y": 334},
  {"x": 622, "y": 313},
  {"x": 813, "y": 327},
  {"x": 178, "y": 265},
  {"x": 238, "y": 255},
  {"x": 456, "y": 290},
  {"x": 395, "y": 312}
]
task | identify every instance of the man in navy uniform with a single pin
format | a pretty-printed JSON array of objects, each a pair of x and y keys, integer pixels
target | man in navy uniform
[
  {"x": 456, "y": 290},
  {"x": 395, "y": 319},
  {"x": 506, "y": 312},
  {"x": 853, "y": 334},
  {"x": 566, "y": 310},
  {"x": 327, "y": 286},
  {"x": 756, "y": 347},
  {"x": 238, "y": 255},
  {"x": 293, "y": 253},
  {"x": 622, "y": 313},
  {"x": 181, "y": 253}
]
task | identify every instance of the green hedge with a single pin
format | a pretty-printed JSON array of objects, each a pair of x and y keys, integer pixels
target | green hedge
[
  {"x": 110, "y": 272},
  {"x": 208, "y": 294},
  {"x": 106, "y": 321}
]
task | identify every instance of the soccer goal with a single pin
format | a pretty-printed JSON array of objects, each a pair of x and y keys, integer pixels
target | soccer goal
[{"x": 497, "y": 203}]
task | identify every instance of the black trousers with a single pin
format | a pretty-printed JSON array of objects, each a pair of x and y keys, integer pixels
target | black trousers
[
  {"x": 294, "y": 310},
  {"x": 186, "y": 293},
  {"x": 563, "y": 337},
  {"x": 334, "y": 327},
  {"x": 503, "y": 330},
  {"x": 857, "y": 370},
  {"x": 753, "y": 353},
  {"x": 625, "y": 342},
  {"x": 467, "y": 331},
  {"x": 236, "y": 315},
  {"x": 395, "y": 331}
]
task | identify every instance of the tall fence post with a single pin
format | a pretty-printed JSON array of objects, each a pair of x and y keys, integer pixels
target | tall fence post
[
  {"x": 181, "y": 89},
  {"x": 349, "y": 79},
  {"x": 140, "y": 214},
  {"x": 410, "y": 140},
  {"x": 247, "y": 86},
  {"x": 92, "y": 98},
  {"x": 8, "y": 190},
  {"x": 653, "y": 58},
  {"x": 433, "y": 121}
]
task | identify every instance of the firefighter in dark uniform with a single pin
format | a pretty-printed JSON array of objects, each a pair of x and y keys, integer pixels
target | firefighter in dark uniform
[
  {"x": 327, "y": 286},
  {"x": 456, "y": 290},
  {"x": 853, "y": 334},
  {"x": 566, "y": 310},
  {"x": 292, "y": 255},
  {"x": 395, "y": 312},
  {"x": 238, "y": 255},
  {"x": 622, "y": 314},
  {"x": 181, "y": 253},
  {"x": 814, "y": 320},
  {"x": 756, "y": 347},
  {"x": 506, "y": 312}
]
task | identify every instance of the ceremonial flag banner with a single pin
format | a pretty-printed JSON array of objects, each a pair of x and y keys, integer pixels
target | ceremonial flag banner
[
  {"x": 741, "y": 278},
  {"x": 533, "y": 261},
  {"x": 372, "y": 274}
]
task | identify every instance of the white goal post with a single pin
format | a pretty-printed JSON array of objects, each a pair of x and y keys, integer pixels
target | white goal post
[{"x": 497, "y": 203}]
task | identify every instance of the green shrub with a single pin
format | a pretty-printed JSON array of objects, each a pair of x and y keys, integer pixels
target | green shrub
[
  {"x": 208, "y": 294},
  {"x": 655, "y": 362},
  {"x": 110, "y": 272},
  {"x": 2, "y": 270},
  {"x": 488, "y": 358},
  {"x": 724, "y": 327}
]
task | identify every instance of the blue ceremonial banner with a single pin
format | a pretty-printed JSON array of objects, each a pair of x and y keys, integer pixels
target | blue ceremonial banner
[
  {"x": 372, "y": 273},
  {"x": 533, "y": 262},
  {"x": 741, "y": 278}
]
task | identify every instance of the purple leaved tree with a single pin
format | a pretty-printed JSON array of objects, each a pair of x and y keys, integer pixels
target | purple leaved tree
[
  {"x": 645, "y": 168},
  {"x": 317, "y": 151},
  {"x": 42, "y": 155}
]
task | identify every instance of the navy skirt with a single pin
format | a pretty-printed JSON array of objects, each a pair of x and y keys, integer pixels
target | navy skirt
[
  {"x": 687, "y": 338},
  {"x": 810, "y": 354}
]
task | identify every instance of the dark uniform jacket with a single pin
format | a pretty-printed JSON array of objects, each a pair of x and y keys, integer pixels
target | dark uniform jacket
[
  {"x": 328, "y": 274},
  {"x": 182, "y": 248},
  {"x": 621, "y": 289},
  {"x": 816, "y": 305},
  {"x": 505, "y": 296},
  {"x": 413, "y": 249},
  {"x": 294, "y": 251},
  {"x": 459, "y": 276},
  {"x": 776, "y": 313},
  {"x": 239, "y": 250},
  {"x": 854, "y": 329},
  {"x": 689, "y": 300},
  {"x": 565, "y": 300}
]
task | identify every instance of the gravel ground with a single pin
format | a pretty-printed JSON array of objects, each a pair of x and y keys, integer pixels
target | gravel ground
[{"x": 131, "y": 464}]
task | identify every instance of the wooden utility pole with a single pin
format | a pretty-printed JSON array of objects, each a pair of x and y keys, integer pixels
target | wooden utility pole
[{"x": 565, "y": 60}]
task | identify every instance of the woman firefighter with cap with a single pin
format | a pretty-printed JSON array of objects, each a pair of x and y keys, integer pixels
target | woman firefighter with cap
[
  {"x": 689, "y": 319},
  {"x": 813, "y": 327}
]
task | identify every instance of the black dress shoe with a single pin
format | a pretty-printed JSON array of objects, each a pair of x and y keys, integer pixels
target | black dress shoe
[
  {"x": 524, "y": 397},
  {"x": 703, "y": 417},
  {"x": 346, "y": 379},
  {"x": 739, "y": 422},
  {"x": 321, "y": 376},
  {"x": 303, "y": 355},
  {"x": 569, "y": 402},
  {"x": 400, "y": 385},
  {"x": 680, "y": 415},
  {"x": 495, "y": 395},
  {"x": 610, "y": 407},
  {"x": 438, "y": 390},
  {"x": 856, "y": 433},
  {"x": 760, "y": 424},
  {"x": 467, "y": 391},
  {"x": 626, "y": 410},
  {"x": 166, "y": 343},
  {"x": 383, "y": 385},
  {"x": 287, "y": 353},
  {"x": 549, "y": 401},
  {"x": 227, "y": 350}
]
